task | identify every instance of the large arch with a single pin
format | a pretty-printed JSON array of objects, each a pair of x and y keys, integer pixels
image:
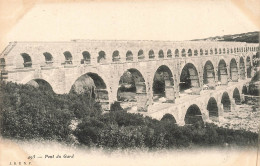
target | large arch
[
  {"x": 163, "y": 84},
  {"x": 193, "y": 115},
  {"x": 222, "y": 72},
  {"x": 212, "y": 107},
  {"x": 242, "y": 68},
  {"x": 92, "y": 84},
  {"x": 248, "y": 67},
  {"x": 209, "y": 74},
  {"x": 225, "y": 100},
  {"x": 189, "y": 79},
  {"x": 132, "y": 89},
  {"x": 41, "y": 84},
  {"x": 236, "y": 96},
  {"x": 233, "y": 70}
]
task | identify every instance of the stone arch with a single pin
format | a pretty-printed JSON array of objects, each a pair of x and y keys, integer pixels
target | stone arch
[
  {"x": 151, "y": 54},
  {"x": 189, "y": 79},
  {"x": 231, "y": 50},
  {"x": 163, "y": 84},
  {"x": 216, "y": 51},
  {"x": 115, "y": 56},
  {"x": 193, "y": 115},
  {"x": 206, "y": 52},
  {"x": 68, "y": 57},
  {"x": 176, "y": 53},
  {"x": 227, "y": 50},
  {"x": 129, "y": 56},
  {"x": 211, "y": 51},
  {"x": 86, "y": 57},
  {"x": 190, "y": 52},
  {"x": 141, "y": 54},
  {"x": 244, "y": 90},
  {"x": 225, "y": 100},
  {"x": 212, "y": 107},
  {"x": 219, "y": 51},
  {"x": 94, "y": 85},
  {"x": 168, "y": 118},
  {"x": 201, "y": 52},
  {"x": 209, "y": 74},
  {"x": 27, "y": 60},
  {"x": 41, "y": 84},
  {"x": 195, "y": 52},
  {"x": 169, "y": 53},
  {"x": 242, "y": 68},
  {"x": 48, "y": 58},
  {"x": 236, "y": 96},
  {"x": 248, "y": 67},
  {"x": 132, "y": 88},
  {"x": 224, "y": 51},
  {"x": 101, "y": 57},
  {"x": 183, "y": 53},
  {"x": 161, "y": 54},
  {"x": 233, "y": 70},
  {"x": 235, "y": 50},
  {"x": 222, "y": 72}
]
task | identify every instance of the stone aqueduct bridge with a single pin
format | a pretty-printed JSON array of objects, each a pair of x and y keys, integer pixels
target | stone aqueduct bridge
[{"x": 223, "y": 66}]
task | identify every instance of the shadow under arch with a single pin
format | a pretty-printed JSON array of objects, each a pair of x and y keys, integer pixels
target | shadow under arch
[
  {"x": 193, "y": 115},
  {"x": 209, "y": 74},
  {"x": 236, "y": 96},
  {"x": 189, "y": 79},
  {"x": 225, "y": 100},
  {"x": 212, "y": 107},
  {"x": 91, "y": 84},
  {"x": 42, "y": 84},
  {"x": 163, "y": 84},
  {"x": 222, "y": 72},
  {"x": 132, "y": 89}
]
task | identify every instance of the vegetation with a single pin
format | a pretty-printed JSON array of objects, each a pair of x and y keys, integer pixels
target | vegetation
[{"x": 33, "y": 113}]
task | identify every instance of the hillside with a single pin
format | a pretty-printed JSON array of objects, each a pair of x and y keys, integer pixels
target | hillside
[{"x": 249, "y": 37}]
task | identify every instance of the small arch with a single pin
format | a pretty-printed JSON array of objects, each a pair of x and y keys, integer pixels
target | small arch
[
  {"x": 212, "y": 107},
  {"x": 27, "y": 60},
  {"x": 195, "y": 52},
  {"x": 231, "y": 50},
  {"x": 86, "y": 57},
  {"x": 68, "y": 57},
  {"x": 222, "y": 72},
  {"x": 219, "y": 51},
  {"x": 183, "y": 53},
  {"x": 227, "y": 50},
  {"x": 161, "y": 54},
  {"x": 235, "y": 50},
  {"x": 201, "y": 52},
  {"x": 233, "y": 70},
  {"x": 216, "y": 51},
  {"x": 244, "y": 90},
  {"x": 48, "y": 58},
  {"x": 151, "y": 54},
  {"x": 141, "y": 54},
  {"x": 190, "y": 52},
  {"x": 211, "y": 51},
  {"x": 101, "y": 57},
  {"x": 116, "y": 56},
  {"x": 224, "y": 51},
  {"x": 225, "y": 100},
  {"x": 236, "y": 96},
  {"x": 176, "y": 53},
  {"x": 193, "y": 115},
  {"x": 206, "y": 52},
  {"x": 169, "y": 53},
  {"x": 129, "y": 56}
]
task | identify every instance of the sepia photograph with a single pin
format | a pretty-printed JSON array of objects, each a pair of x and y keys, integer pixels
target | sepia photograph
[{"x": 129, "y": 83}]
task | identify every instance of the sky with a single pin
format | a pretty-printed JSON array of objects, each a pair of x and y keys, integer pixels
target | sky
[{"x": 166, "y": 20}]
